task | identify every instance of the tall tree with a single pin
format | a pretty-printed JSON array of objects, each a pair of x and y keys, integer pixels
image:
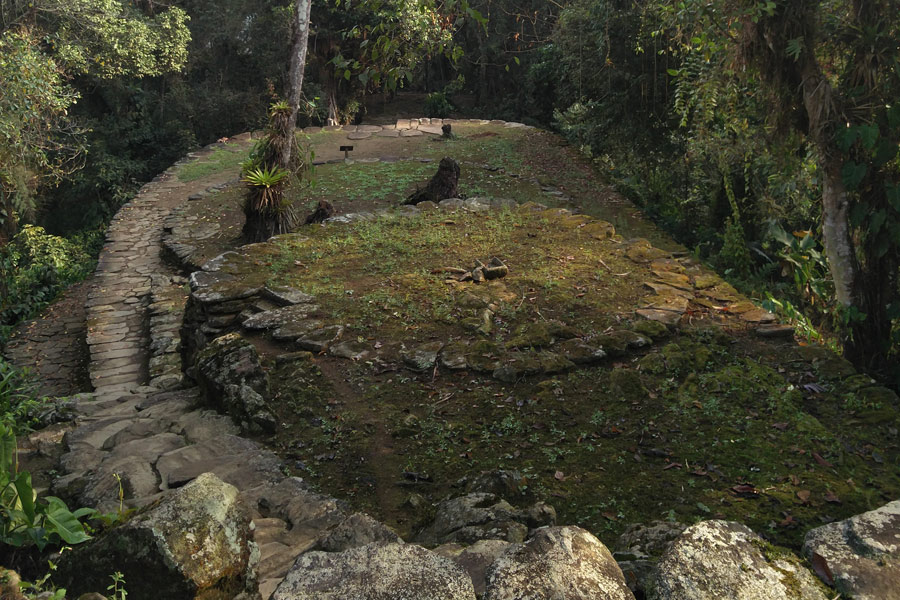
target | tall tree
[
  {"x": 267, "y": 208},
  {"x": 43, "y": 43},
  {"x": 299, "y": 46},
  {"x": 830, "y": 70}
]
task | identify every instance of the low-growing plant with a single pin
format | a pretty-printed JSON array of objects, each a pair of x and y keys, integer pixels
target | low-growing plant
[
  {"x": 17, "y": 402},
  {"x": 27, "y": 519},
  {"x": 437, "y": 105}
]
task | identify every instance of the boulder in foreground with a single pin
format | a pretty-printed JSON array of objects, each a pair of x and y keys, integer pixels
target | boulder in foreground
[
  {"x": 196, "y": 543},
  {"x": 562, "y": 563},
  {"x": 375, "y": 572}
]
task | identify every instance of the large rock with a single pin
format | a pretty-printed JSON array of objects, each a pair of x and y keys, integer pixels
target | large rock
[
  {"x": 562, "y": 563},
  {"x": 478, "y": 558},
  {"x": 721, "y": 559},
  {"x": 861, "y": 555},
  {"x": 473, "y": 517},
  {"x": 233, "y": 381},
  {"x": 375, "y": 572},
  {"x": 195, "y": 542},
  {"x": 638, "y": 549},
  {"x": 357, "y": 530}
]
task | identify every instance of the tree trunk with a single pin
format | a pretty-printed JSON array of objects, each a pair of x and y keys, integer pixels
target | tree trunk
[
  {"x": 441, "y": 187},
  {"x": 842, "y": 263},
  {"x": 482, "y": 66},
  {"x": 299, "y": 43}
]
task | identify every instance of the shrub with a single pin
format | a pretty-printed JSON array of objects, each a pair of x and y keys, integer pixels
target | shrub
[
  {"x": 35, "y": 266},
  {"x": 437, "y": 105},
  {"x": 25, "y": 518},
  {"x": 17, "y": 403}
]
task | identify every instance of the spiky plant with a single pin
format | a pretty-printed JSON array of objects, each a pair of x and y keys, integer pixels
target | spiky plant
[{"x": 267, "y": 210}]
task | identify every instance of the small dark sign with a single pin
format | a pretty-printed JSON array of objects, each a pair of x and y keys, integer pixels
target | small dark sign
[{"x": 346, "y": 148}]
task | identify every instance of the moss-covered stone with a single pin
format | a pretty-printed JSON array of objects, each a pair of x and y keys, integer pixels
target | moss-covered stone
[
  {"x": 483, "y": 356},
  {"x": 626, "y": 383},
  {"x": 651, "y": 329}
]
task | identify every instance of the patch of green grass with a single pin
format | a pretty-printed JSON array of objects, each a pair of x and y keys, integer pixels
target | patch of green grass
[{"x": 220, "y": 160}]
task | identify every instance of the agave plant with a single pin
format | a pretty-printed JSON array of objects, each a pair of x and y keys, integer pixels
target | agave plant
[{"x": 267, "y": 211}]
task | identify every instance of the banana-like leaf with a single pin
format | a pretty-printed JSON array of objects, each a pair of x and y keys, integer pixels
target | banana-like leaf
[
  {"x": 27, "y": 496},
  {"x": 60, "y": 520}
]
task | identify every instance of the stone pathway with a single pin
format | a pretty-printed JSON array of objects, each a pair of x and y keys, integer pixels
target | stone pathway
[
  {"x": 140, "y": 433},
  {"x": 53, "y": 346},
  {"x": 139, "y": 424}
]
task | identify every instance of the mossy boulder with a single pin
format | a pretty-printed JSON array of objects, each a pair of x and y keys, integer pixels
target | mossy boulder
[
  {"x": 232, "y": 380},
  {"x": 651, "y": 329},
  {"x": 557, "y": 562},
  {"x": 626, "y": 383},
  {"x": 196, "y": 543},
  {"x": 483, "y": 356},
  {"x": 736, "y": 563},
  {"x": 540, "y": 334}
]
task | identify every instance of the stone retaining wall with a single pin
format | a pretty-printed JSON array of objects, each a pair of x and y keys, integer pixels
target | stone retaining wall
[{"x": 143, "y": 442}]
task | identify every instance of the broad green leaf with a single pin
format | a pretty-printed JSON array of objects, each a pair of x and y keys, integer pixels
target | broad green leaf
[
  {"x": 868, "y": 135},
  {"x": 85, "y": 512},
  {"x": 846, "y": 136},
  {"x": 780, "y": 235},
  {"x": 61, "y": 521},
  {"x": 807, "y": 243},
  {"x": 852, "y": 174},
  {"x": 7, "y": 450},
  {"x": 893, "y": 115},
  {"x": 26, "y": 495},
  {"x": 893, "y": 195},
  {"x": 858, "y": 214},
  {"x": 885, "y": 152}
]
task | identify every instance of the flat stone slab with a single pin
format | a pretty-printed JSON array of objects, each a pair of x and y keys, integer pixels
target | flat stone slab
[
  {"x": 388, "y": 133},
  {"x": 411, "y": 133},
  {"x": 359, "y": 135},
  {"x": 432, "y": 129},
  {"x": 860, "y": 555},
  {"x": 280, "y": 317},
  {"x": 286, "y": 296}
]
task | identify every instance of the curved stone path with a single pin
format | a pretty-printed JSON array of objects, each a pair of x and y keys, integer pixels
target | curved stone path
[
  {"x": 140, "y": 425},
  {"x": 141, "y": 432},
  {"x": 53, "y": 346}
]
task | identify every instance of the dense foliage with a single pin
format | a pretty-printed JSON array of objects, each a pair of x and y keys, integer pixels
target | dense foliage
[{"x": 764, "y": 135}]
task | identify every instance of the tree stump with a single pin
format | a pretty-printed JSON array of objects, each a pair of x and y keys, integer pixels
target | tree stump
[
  {"x": 324, "y": 210},
  {"x": 442, "y": 186},
  {"x": 448, "y": 130}
]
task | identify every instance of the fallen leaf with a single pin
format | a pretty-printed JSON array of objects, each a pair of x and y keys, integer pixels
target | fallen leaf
[
  {"x": 673, "y": 465},
  {"x": 610, "y": 516},
  {"x": 560, "y": 476},
  {"x": 746, "y": 490},
  {"x": 804, "y": 496},
  {"x": 820, "y": 566},
  {"x": 821, "y": 460},
  {"x": 831, "y": 497},
  {"x": 780, "y": 426},
  {"x": 794, "y": 479},
  {"x": 789, "y": 521}
]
